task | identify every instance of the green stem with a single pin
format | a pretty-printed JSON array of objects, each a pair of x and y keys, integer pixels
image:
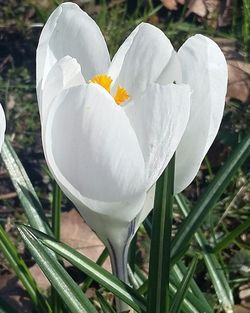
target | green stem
[
  {"x": 159, "y": 266},
  {"x": 119, "y": 263},
  {"x": 56, "y": 220}
]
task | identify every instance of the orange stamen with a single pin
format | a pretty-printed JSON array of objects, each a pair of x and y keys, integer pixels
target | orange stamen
[
  {"x": 121, "y": 95},
  {"x": 105, "y": 81},
  {"x": 102, "y": 80}
]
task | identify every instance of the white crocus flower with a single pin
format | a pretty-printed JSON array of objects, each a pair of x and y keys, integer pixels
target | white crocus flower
[
  {"x": 2, "y": 126},
  {"x": 109, "y": 129}
]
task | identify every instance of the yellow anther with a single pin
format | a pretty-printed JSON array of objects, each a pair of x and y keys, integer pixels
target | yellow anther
[
  {"x": 103, "y": 80},
  {"x": 121, "y": 95}
]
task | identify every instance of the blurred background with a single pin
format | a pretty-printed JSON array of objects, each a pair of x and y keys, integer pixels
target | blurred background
[{"x": 226, "y": 21}]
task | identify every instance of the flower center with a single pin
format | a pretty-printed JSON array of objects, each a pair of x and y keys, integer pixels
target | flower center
[{"x": 105, "y": 81}]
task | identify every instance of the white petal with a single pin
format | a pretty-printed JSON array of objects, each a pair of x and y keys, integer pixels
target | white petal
[
  {"x": 144, "y": 60},
  {"x": 147, "y": 207},
  {"x": 2, "y": 126},
  {"x": 172, "y": 72},
  {"x": 204, "y": 68},
  {"x": 66, "y": 73},
  {"x": 117, "y": 61},
  {"x": 111, "y": 221},
  {"x": 159, "y": 118},
  {"x": 70, "y": 31},
  {"x": 93, "y": 145}
]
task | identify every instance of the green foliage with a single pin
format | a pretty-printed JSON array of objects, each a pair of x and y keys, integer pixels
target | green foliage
[
  {"x": 159, "y": 266},
  {"x": 206, "y": 228}
]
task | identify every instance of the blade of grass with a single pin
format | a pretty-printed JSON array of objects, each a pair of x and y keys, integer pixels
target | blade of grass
[
  {"x": 216, "y": 274},
  {"x": 230, "y": 238},
  {"x": 207, "y": 201},
  {"x": 180, "y": 295},
  {"x": 149, "y": 14},
  {"x": 22, "y": 272},
  {"x": 178, "y": 269},
  {"x": 246, "y": 24},
  {"x": 159, "y": 264},
  {"x": 132, "y": 278},
  {"x": 141, "y": 275},
  {"x": 190, "y": 304},
  {"x": 132, "y": 253},
  {"x": 25, "y": 191},
  {"x": 102, "y": 258},
  {"x": 97, "y": 273},
  {"x": 56, "y": 210},
  {"x": 56, "y": 219},
  {"x": 70, "y": 292},
  {"x": 106, "y": 307}
]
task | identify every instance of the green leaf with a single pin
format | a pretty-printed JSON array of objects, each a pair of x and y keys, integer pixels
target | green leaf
[
  {"x": 88, "y": 281},
  {"x": 132, "y": 278},
  {"x": 70, "y": 292},
  {"x": 178, "y": 271},
  {"x": 22, "y": 272},
  {"x": 190, "y": 304},
  {"x": 219, "y": 280},
  {"x": 106, "y": 307},
  {"x": 100, "y": 275},
  {"x": 56, "y": 210},
  {"x": 180, "y": 295},
  {"x": 132, "y": 253},
  {"x": 232, "y": 236},
  {"x": 56, "y": 303},
  {"x": 24, "y": 189},
  {"x": 212, "y": 194},
  {"x": 159, "y": 264}
]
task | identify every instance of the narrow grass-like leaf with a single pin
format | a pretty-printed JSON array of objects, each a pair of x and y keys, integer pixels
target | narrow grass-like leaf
[
  {"x": 140, "y": 274},
  {"x": 180, "y": 295},
  {"x": 143, "y": 289},
  {"x": 228, "y": 239},
  {"x": 219, "y": 280},
  {"x": 70, "y": 292},
  {"x": 98, "y": 274},
  {"x": 106, "y": 307},
  {"x": 132, "y": 278},
  {"x": 190, "y": 304},
  {"x": 246, "y": 24},
  {"x": 22, "y": 272},
  {"x": 24, "y": 189},
  {"x": 56, "y": 210},
  {"x": 132, "y": 253},
  {"x": 88, "y": 281},
  {"x": 159, "y": 264},
  {"x": 207, "y": 201},
  {"x": 179, "y": 270},
  {"x": 56, "y": 303}
]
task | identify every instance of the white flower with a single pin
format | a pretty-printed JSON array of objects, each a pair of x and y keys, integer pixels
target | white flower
[
  {"x": 109, "y": 129},
  {"x": 2, "y": 126}
]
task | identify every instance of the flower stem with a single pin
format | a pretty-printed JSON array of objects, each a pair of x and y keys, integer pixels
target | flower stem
[{"x": 119, "y": 260}]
